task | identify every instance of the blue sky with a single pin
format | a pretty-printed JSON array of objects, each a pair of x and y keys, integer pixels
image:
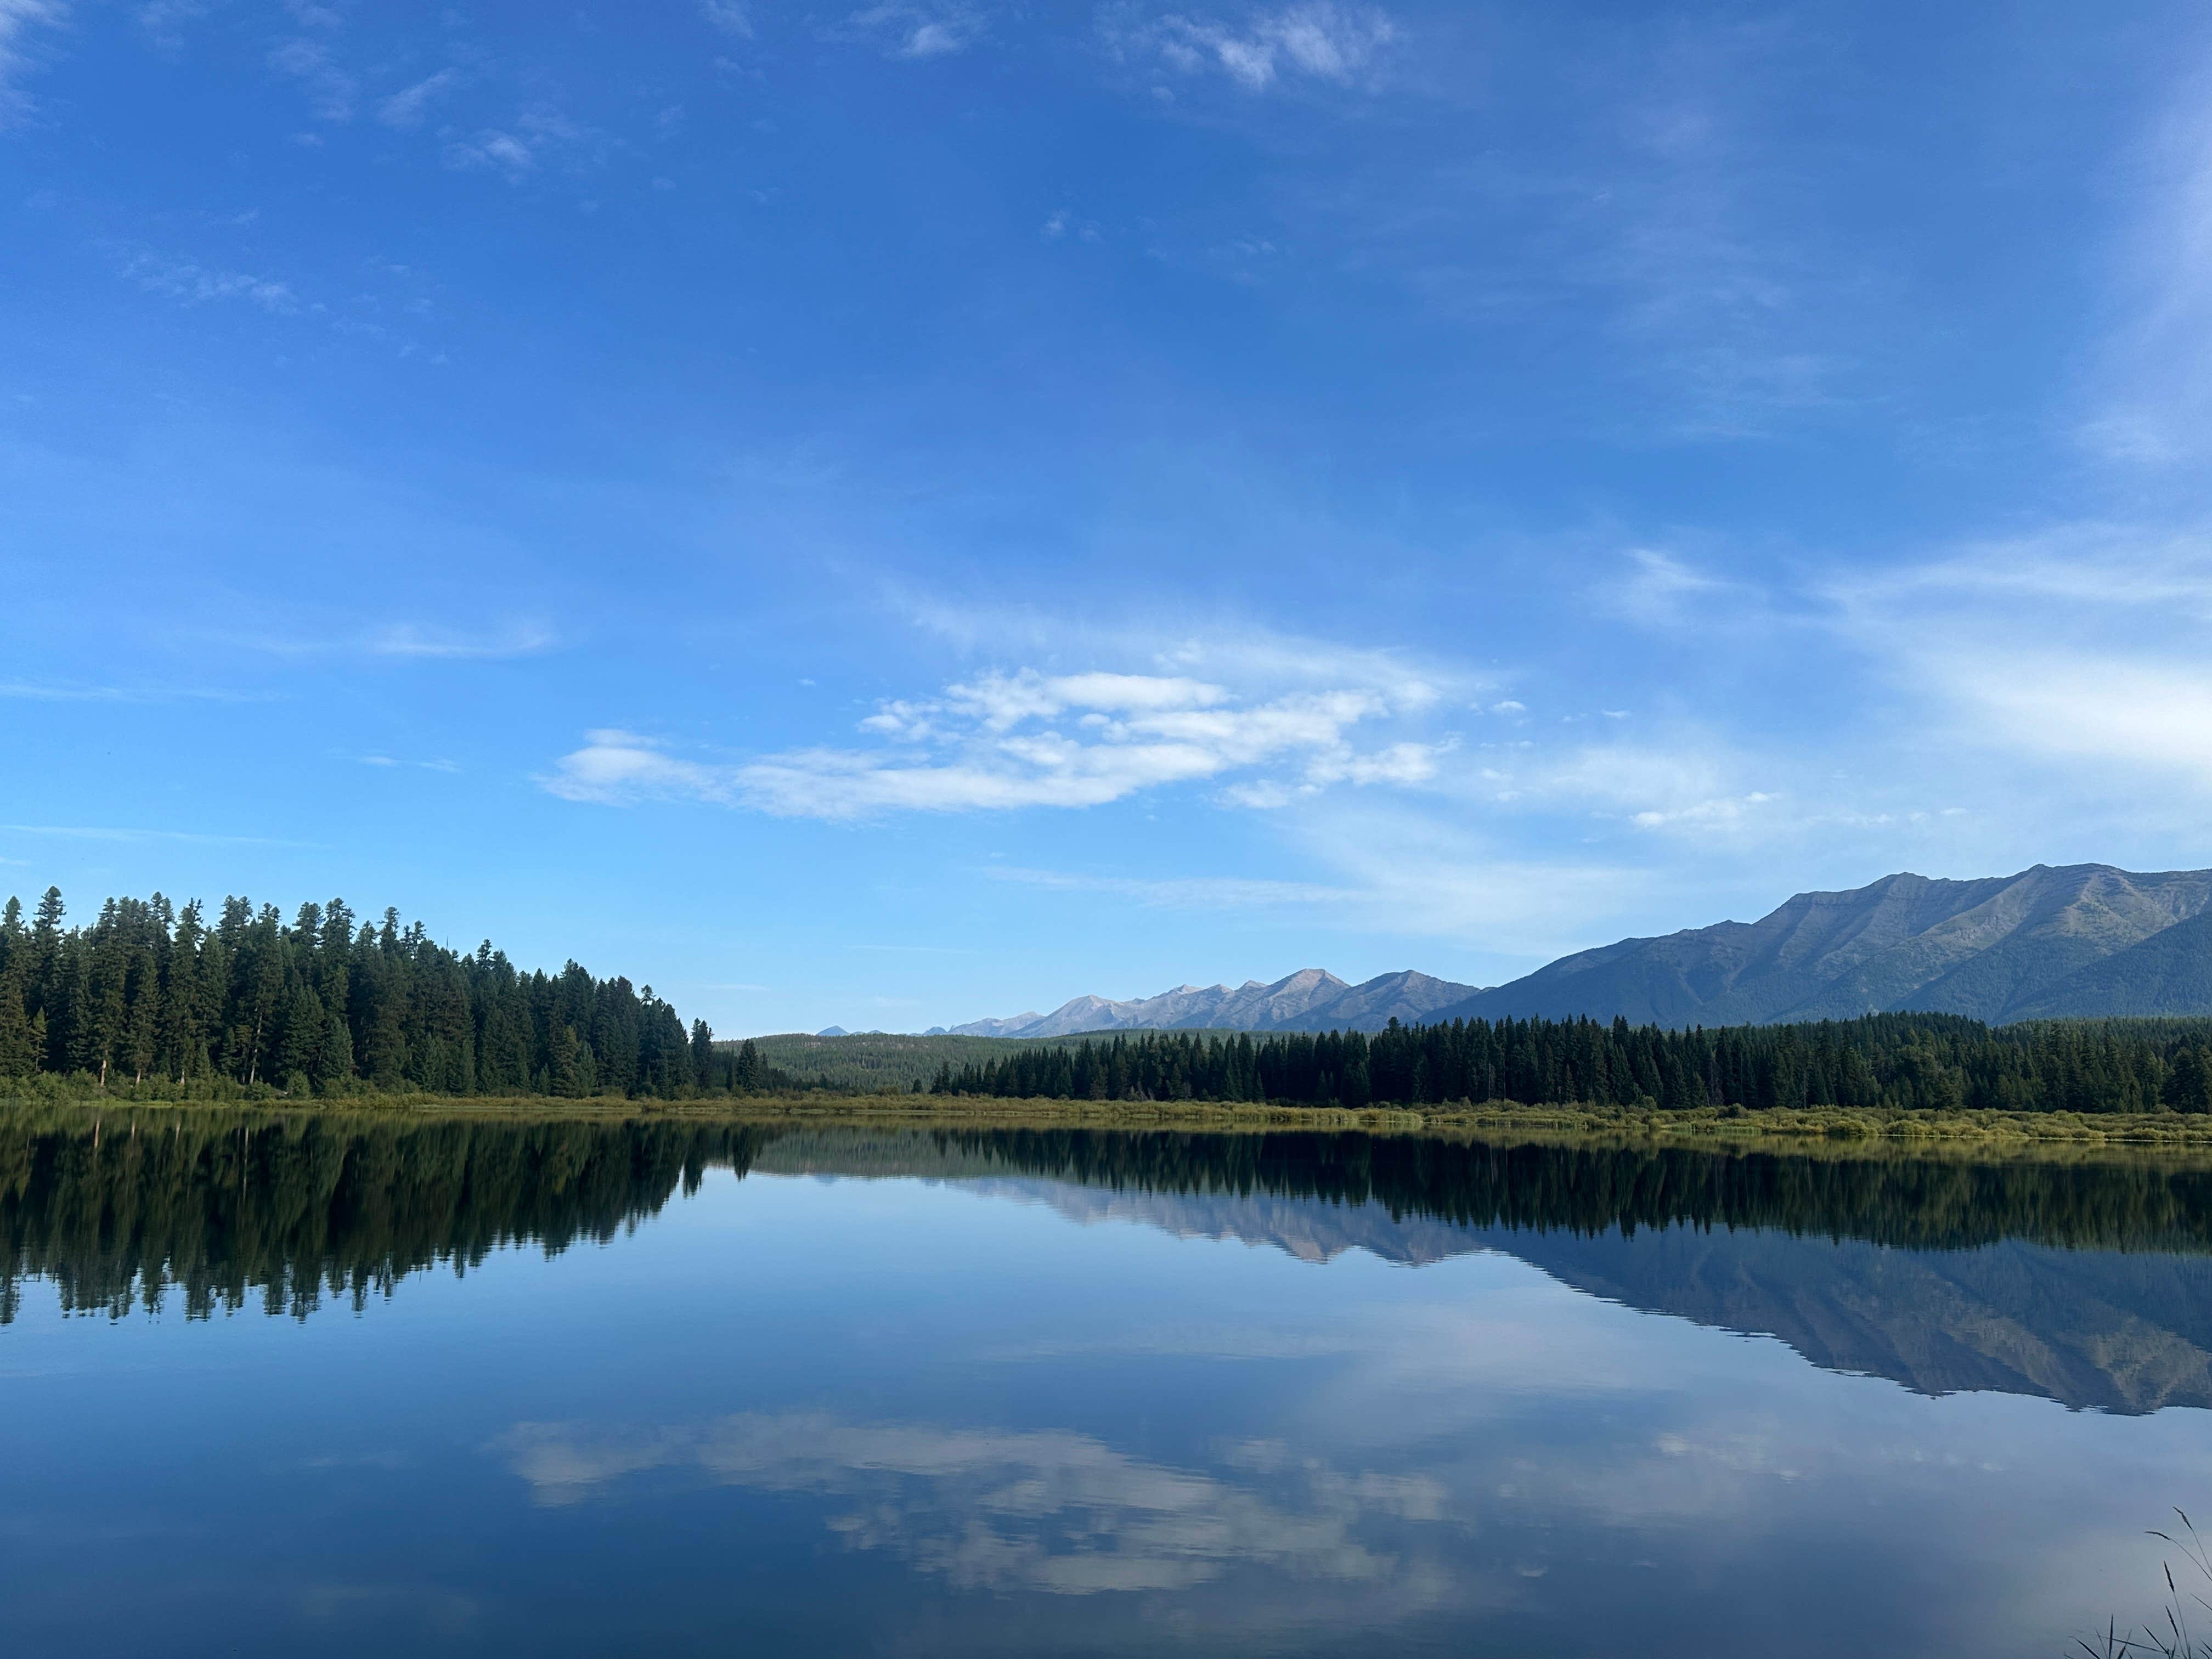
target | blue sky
[{"x": 897, "y": 515}]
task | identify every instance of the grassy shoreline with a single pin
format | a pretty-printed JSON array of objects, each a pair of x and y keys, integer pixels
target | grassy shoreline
[{"x": 1982, "y": 1132}]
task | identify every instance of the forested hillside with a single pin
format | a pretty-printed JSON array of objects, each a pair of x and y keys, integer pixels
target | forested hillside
[{"x": 151, "y": 992}]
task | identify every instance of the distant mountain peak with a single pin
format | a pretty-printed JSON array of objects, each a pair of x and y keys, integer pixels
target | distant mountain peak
[
  {"x": 1310, "y": 999},
  {"x": 2052, "y": 941}
]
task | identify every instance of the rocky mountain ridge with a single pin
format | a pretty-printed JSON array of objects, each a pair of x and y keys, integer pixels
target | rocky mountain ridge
[
  {"x": 2083, "y": 940},
  {"x": 1310, "y": 999}
]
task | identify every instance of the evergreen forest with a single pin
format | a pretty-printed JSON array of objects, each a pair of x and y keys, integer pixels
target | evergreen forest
[
  {"x": 1920, "y": 1063},
  {"x": 328, "y": 1003},
  {"x": 155, "y": 998}
]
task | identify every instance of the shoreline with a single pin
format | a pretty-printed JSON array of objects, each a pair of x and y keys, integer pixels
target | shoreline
[{"x": 1832, "y": 1129}]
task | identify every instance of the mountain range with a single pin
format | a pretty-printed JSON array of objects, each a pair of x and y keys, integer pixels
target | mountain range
[
  {"x": 1308, "y": 1000},
  {"x": 2080, "y": 940}
]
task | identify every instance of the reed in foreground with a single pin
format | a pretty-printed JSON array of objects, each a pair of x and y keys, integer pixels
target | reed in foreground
[{"x": 2180, "y": 1639}]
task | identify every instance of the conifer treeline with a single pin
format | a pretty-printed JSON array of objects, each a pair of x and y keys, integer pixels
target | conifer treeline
[
  {"x": 153, "y": 993},
  {"x": 1913, "y": 1061}
]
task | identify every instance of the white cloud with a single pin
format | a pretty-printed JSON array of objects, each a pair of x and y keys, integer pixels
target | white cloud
[
  {"x": 1179, "y": 892},
  {"x": 492, "y": 149},
  {"x": 434, "y": 641},
  {"x": 2108, "y": 567},
  {"x": 198, "y": 284},
  {"x": 84, "y": 832},
  {"x": 17, "y": 18},
  {"x": 907, "y": 30},
  {"x": 163, "y": 19},
  {"x": 1728, "y": 811},
  {"x": 79, "y": 691},
  {"x": 615, "y": 765},
  {"x": 1662, "y": 591},
  {"x": 406, "y": 107},
  {"x": 1001, "y": 741},
  {"x": 540, "y": 134},
  {"x": 2082, "y": 645},
  {"x": 731, "y": 17},
  {"x": 2133, "y": 712},
  {"x": 1409, "y": 870},
  {"x": 2156, "y": 391},
  {"x": 516, "y": 639},
  {"x": 330, "y": 89},
  {"x": 1321, "y": 40}
]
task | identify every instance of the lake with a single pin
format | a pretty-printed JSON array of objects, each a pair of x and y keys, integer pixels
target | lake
[{"x": 359, "y": 1385}]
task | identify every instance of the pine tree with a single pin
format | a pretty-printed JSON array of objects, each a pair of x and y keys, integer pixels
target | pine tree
[
  {"x": 703, "y": 1054},
  {"x": 18, "y": 1058},
  {"x": 142, "y": 1022}
]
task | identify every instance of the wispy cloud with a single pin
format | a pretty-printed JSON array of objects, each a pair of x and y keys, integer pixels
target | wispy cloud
[
  {"x": 2155, "y": 395},
  {"x": 731, "y": 17},
  {"x": 1001, "y": 741},
  {"x": 513, "y": 638},
  {"x": 198, "y": 284},
  {"x": 428, "y": 641},
  {"x": 18, "y": 18},
  {"x": 86, "y": 832},
  {"x": 1179, "y": 892},
  {"x": 2082, "y": 645},
  {"x": 539, "y": 137},
  {"x": 1659, "y": 590},
  {"x": 164, "y": 20},
  {"x": 382, "y": 761},
  {"x": 331, "y": 89},
  {"x": 77, "y": 691},
  {"x": 1232, "y": 649},
  {"x": 903, "y": 29},
  {"x": 1320, "y": 40},
  {"x": 405, "y": 108}
]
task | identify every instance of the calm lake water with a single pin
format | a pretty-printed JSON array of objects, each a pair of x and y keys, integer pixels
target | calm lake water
[{"x": 341, "y": 1385}]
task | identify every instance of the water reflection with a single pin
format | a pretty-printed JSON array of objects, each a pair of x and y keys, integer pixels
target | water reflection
[
  {"x": 1051, "y": 1511},
  {"x": 216, "y": 1209},
  {"x": 2086, "y": 1280},
  {"x": 947, "y": 1391}
]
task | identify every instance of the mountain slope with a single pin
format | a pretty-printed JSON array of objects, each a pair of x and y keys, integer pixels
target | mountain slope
[
  {"x": 1998, "y": 949},
  {"x": 2169, "y": 973}
]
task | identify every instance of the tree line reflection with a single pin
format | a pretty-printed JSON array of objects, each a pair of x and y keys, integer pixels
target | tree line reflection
[{"x": 208, "y": 1211}]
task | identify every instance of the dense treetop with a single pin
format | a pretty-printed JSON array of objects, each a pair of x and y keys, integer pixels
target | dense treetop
[
  {"x": 1910, "y": 1061},
  {"x": 328, "y": 1003}
]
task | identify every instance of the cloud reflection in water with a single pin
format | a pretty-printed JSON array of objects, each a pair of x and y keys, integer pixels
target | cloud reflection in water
[{"x": 1047, "y": 1510}]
